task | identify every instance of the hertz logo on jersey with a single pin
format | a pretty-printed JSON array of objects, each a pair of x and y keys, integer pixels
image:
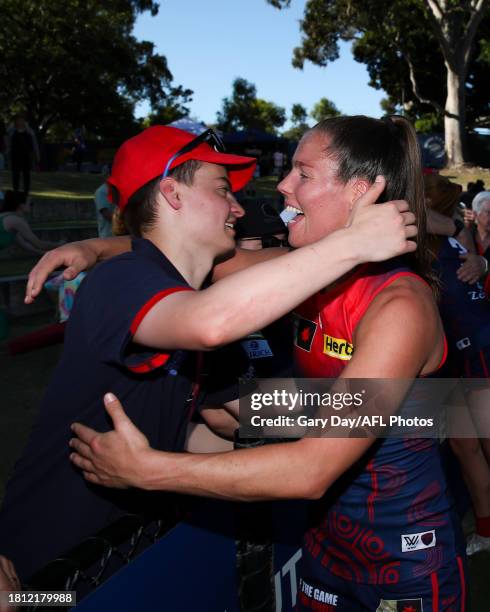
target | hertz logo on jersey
[{"x": 337, "y": 348}]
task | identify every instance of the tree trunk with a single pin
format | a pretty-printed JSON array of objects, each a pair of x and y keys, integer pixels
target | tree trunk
[{"x": 454, "y": 120}]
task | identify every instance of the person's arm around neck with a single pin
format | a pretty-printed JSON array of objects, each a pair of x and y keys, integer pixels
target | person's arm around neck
[
  {"x": 255, "y": 297},
  {"x": 302, "y": 469}
]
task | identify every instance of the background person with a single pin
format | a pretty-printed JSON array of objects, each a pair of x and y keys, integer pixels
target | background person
[
  {"x": 481, "y": 208},
  {"x": 104, "y": 210},
  {"x": 15, "y": 228},
  {"x": 465, "y": 312},
  {"x": 23, "y": 152}
]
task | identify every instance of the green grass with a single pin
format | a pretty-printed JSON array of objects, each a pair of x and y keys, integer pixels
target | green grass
[
  {"x": 464, "y": 176},
  {"x": 59, "y": 185}
]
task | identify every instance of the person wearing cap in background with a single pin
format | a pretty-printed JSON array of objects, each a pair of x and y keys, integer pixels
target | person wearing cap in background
[{"x": 136, "y": 315}]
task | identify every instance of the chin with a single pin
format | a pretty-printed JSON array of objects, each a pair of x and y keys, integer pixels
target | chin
[
  {"x": 300, "y": 240},
  {"x": 226, "y": 251}
]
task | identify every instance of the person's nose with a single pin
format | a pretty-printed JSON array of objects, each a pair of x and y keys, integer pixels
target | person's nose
[
  {"x": 236, "y": 208},
  {"x": 284, "y": 186}
]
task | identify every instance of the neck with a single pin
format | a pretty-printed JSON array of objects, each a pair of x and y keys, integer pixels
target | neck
[{"x": 194, "y": 264}]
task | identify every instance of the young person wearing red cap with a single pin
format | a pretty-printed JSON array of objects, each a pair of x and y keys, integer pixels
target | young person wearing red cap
[
  {"x": 137, "y": 314},
  {"x": 387, "y": 536}
]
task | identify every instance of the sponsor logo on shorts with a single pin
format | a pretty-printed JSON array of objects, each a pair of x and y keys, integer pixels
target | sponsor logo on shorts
[
  {"x": 304, "y": 332},
  {"x": 337, "y": 347},
  {"x": 418, "y": 541},
  {"x": 400, "y": 605}
]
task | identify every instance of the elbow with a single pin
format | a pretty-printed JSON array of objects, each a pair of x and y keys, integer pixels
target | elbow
[
  {"x": 211, "y": 337},
  {"x": 314, "y": 488},
  {"x": 214, "y": 330},
  {"x": 315, "y": 493}
]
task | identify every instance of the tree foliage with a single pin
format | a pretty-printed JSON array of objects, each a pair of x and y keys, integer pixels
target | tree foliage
[
  {"x": 243, "y": 110},
  {"x": 75, "y": 62},
  {"x": 299, "y": 114},
  {"x": 298, "y": 118},
  {"x": 324, "y": 109},
  {"x": 404, "y": 50}
]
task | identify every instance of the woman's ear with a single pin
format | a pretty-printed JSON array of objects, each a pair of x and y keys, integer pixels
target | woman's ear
[
  {"x": 169, "y": 188},
  {"x": 359, "y": 188}
]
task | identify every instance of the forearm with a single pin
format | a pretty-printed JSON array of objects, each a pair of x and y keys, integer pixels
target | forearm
[
  {"x": 278, "y": 471},
  {"x": 243, "y": 259},
  {"x": 219, "y": 420},
  {"x": 105, "y": 248},
  {"x": 465, "y": 237},
  {"x": 440, "y": 225},
  {"x": 251, "y": 299}
]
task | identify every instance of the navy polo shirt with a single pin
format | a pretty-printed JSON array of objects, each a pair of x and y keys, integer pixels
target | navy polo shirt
[
  {"x": 49, "y": 507},
  {"x": 264, "y": 354}
]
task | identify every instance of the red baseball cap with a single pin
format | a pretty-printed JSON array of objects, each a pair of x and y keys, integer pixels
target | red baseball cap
[{"x": 144, "y": 157}]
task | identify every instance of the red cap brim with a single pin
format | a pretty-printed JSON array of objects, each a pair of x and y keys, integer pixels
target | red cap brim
[{"x": 240, "y": 168}]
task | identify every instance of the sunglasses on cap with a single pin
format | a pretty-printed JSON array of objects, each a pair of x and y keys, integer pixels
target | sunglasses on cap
[{"x": 209, "y": 136}]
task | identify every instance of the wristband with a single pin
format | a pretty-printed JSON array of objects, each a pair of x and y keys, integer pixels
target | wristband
[{"x": 459, "y": 225}]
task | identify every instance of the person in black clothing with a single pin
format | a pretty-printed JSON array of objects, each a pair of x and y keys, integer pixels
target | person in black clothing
[{"x": 23, "y": 151}]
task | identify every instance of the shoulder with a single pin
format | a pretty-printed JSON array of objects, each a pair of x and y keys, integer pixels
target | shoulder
[
  {"x": 101, "y": 189},
  {"x": 131, "y": 272},
  {"x": 407, "y": 301},
  {"x": 403, "y": 321},
  {"x": 14, "y": 220},
  {"x": 128, "y": 263}
]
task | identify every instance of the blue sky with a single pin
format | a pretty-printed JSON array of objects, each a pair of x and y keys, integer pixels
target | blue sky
[{"x": 208, "y": 43}]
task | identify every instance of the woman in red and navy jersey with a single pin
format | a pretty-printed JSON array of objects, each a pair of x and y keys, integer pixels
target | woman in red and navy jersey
[{"x": 388, "y": 539}]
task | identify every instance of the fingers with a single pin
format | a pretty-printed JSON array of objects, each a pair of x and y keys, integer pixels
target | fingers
[
  {"x": 9, "y": 571},
  {"x": 70, "y": 273},
  {"x": 91, "y": 477},
  {"x": 411, "y": 231},
  {"x": 39, "y": 274},
  {"x": 116, "y": 411},
  {"x": 86, "y": 434},
  {"x": 81, "y": 448},
  {"x": 467, "y": 274},
  {"x": 373, "y": 193},
  {"x": 368, "y": 198},
  {"x": 95, "y": 479},
  {"x": 410, "y": 247},
  {"x": 84, "y": 464},
  {"x": 402, "y": 206},
  {"x": 33, "y": 287},
  {"x": 408, "y": 217}
]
